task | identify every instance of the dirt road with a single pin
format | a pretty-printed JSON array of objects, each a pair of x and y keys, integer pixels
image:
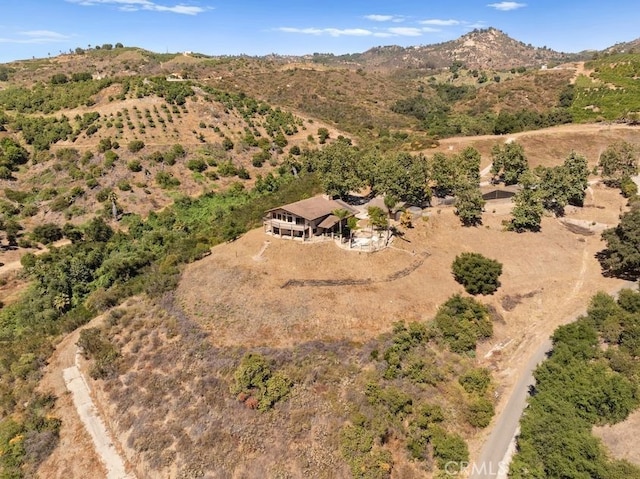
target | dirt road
[{"x": 12, "y": 266}]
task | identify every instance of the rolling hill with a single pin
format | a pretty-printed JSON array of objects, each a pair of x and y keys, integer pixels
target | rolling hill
[{"x": 201, "y": 358}]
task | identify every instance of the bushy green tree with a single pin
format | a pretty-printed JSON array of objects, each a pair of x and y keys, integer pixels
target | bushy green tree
[
  {"x": 479, "y": 412},
  {"x": 402, "y": 176},
  {"x": 377, "y": 217},
  {"x": 621, "y": 257},
  {"x": 323, "y": 135},
  {"x": 620, "y": 159},
  {"x": 509, "y": 162},
  {"x": 443, "y": 174},
  {"x": 462, "y": 322},
  {"x": 12, "y": 155},
  {"x": 338, "y": 166},
  {"x": 135, "y": 146},
  {"x": 478, "y": 274},
  {"x": 578, "y": 170},
  {"x": 628, "y": 187},
  {"x": 468, "y": 167},
  {"x": 554, "y": 188},
  {"x": 469, "y": 205},
  {"x": 254, "y": 376},
  {"x": 528, "y": 209}
]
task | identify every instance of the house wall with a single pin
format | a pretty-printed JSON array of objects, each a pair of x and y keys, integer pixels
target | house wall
[{"x": 283, "y": 223}]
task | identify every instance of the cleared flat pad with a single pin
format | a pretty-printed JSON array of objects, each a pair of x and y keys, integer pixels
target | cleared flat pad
[{"x": 93, "y": 424}]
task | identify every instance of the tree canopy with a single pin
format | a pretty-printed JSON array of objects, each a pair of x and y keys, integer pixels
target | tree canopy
[
  {"x": 528, "y": 209},
  {"x": 621, "y": 257},
  {"x": 477, "y": 273},
  {"x": 402, "y": 176},
  {"x": 620, "y": 159},
  {"x": 338, "y": 165},
  {"x": 509, "y": 162}
]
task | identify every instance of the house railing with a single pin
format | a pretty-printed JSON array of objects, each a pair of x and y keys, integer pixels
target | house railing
[{"x": 285, "y": 224}]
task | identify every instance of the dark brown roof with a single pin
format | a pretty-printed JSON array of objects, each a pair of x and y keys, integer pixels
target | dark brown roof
[{"x": 314, "y": 208}]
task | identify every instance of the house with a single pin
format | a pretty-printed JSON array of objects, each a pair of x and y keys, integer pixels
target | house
[{"x": 306, "y": 219}]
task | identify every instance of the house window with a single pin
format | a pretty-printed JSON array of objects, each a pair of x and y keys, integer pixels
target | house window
[{"x": 299, "y": 221}]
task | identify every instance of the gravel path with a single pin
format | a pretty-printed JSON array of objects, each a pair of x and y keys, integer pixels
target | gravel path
[{"x": 93, "y": 423}]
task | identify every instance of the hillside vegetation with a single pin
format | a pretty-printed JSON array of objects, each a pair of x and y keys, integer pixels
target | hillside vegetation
[
  {"x": 611, "y": 91},
  {"x": 142, "y": 162}
]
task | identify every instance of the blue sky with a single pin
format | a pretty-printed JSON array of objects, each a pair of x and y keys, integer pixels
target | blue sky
[{"x": 37, "y": 28}]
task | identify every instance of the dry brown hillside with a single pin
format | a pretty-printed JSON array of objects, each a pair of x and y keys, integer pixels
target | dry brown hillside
[{"x": 172, "y": 409}]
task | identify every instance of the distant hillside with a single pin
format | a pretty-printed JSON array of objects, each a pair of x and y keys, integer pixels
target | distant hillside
[
  {"x": 485, "y": 49},
  {"x": 626, "y": 47}
]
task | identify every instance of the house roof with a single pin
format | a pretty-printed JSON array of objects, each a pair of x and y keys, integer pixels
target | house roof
[
  {"x": 491, "y": 188},
  {"x": 329, "y": 222},
  {"x": 496, "y": 192},
  {"x": 314, "y": 208}
]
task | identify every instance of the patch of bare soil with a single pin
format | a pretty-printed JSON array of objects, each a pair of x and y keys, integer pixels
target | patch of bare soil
[
  {"x": 620, "y": 439},
  {"x": 509, "y": 303}
]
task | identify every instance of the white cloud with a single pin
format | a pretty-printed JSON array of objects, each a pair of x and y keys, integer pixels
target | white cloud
[
  {"x": 440, "y": 23},
  {"x": 136, "y": 5},
  {"x": 360, "y": 32},
  {"x": 507, "y": 6},
  {"x": 406, "y": 31},
  {"x": 334, "y": 32},
  {"x": 385, "y": 18},
  {"x": 36, "y": 36}
]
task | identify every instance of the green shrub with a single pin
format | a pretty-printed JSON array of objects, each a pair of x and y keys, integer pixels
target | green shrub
[
  {"x": 462, "y": 322},
  {"x": 197, "y": 164},
  {"x": 103, "y": 194},
  {"x": 243, "y": 173},
  {"x": 449, "y": 449},
  {"x": 478, "y": 275},
  {"x": 101, "y": 350},
  {"x": 253, "y": 373},
  {"x": 476, "y": 380},
  {"x": 295, "y": 150},
  {"x": 259, "y": 158},
  {"x": 480, "y": 412},
  {"x": 277, "y": 388},
  {"x": 628, "y": 188},
  {"x": 47, "y": 233},
  {"x": 135, "y": 146},
  {"x": 254, "y": 377},
  {"x": 166, "y": 180},
  {"x": 227, "y": 168},
  {"x": 60, "y": 203},
  {"x": 135, "y": 166},
  {"x": 323, "y": 135}
]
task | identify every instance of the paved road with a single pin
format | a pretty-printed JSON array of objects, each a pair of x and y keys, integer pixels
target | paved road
[{"x": 494, "y": 459}]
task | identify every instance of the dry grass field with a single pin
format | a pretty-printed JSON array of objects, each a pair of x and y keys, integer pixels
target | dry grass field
[{"x": 239, "y": 299}]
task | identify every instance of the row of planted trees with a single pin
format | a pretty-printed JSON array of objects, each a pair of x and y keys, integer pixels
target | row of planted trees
[
  {"x": 401, "y": 177},
  {"x": 398, "y": 176}
]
